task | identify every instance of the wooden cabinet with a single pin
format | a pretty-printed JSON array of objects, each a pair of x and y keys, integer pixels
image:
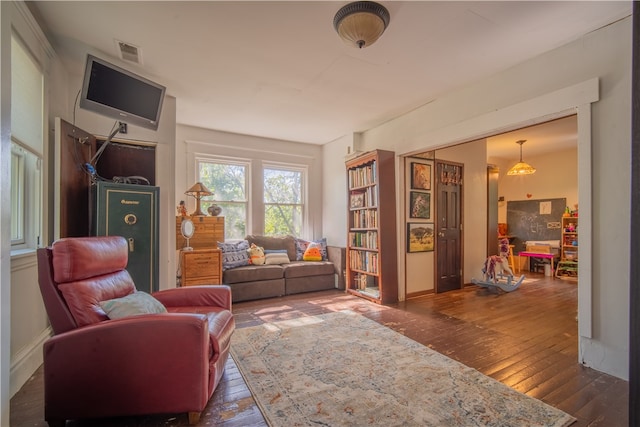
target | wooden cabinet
[
  {"x": 201, "y": 267},
  {"x": 568, "y": 265},
  {"x": 203, "y": 264},
  {"x": 372, "y": 271},
  {"x": 208, "y": 231}
]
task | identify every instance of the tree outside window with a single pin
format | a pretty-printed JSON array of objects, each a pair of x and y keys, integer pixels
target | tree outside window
[
  {"x": 228, "y": 182},
  {"x": 283, "y": 201}
]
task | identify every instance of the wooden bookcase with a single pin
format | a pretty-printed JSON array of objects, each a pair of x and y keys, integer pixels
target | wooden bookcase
[
  {"x": 568, "y": 264},
  {"x": 372, "y": 271}
]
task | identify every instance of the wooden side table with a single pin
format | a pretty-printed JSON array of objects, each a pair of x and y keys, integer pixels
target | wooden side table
[{"x": 201, "y": 267}]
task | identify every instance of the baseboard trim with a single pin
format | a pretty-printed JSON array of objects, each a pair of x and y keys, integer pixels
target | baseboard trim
[{"x": 27, "y": 361}]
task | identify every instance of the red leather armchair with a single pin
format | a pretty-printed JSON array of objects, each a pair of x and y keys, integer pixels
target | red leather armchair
[{"x": 97, "y": 367}]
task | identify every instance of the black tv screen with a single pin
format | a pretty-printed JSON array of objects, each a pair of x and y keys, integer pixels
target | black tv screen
[{"x": 120, "y": 94}]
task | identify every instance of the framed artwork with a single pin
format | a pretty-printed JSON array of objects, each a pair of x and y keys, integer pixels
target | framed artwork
[
  {"x": 419, "y": 205},
  {"x": 420, "y": 176},
  {"x": 357, "y": 200},
  {"x": 420, "y": 237}
]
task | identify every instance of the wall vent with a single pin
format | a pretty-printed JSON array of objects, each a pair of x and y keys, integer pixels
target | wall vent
[{"x": 129, "y": 52}]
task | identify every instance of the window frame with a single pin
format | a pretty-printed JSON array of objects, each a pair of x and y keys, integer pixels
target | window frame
[
  {"x": 304, "y": 173},
  {"x": 247, "y": 178},
  {"x": 28, "y": 204}
]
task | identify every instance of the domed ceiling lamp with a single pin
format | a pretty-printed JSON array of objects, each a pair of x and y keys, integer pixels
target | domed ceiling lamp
[
  {"x": 361, "y": 23},
  {"x": 521, "y": 168}
]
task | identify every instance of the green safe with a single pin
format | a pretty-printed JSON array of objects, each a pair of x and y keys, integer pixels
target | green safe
[{"x": 131, "y": 211}]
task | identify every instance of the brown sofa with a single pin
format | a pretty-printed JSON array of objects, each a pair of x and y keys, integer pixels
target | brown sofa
[
  {"x": 252, "y": 282},
  {"x": 117, "y": 351}
]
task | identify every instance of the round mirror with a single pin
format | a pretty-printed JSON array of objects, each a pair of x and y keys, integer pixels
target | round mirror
[{"x": 187, "y": 229}]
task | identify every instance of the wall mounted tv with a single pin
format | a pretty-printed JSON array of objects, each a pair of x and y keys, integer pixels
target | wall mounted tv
[{"x": 120, "y": 94}]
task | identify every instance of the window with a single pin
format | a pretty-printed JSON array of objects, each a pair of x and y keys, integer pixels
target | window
[
  {"x": 283, "y": 200},
  {"x": 228, "y": 180},
  {"x": 27, "y": 142}
]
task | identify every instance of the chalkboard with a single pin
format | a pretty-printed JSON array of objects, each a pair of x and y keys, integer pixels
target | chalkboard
[{"x": 534, "y": 220}]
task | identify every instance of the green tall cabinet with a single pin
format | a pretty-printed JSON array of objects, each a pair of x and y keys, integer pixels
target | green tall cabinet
[{"x": 131, "y": 211}]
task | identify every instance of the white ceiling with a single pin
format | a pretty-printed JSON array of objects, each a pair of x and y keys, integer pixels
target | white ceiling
[{"x": 279, "y": 70}]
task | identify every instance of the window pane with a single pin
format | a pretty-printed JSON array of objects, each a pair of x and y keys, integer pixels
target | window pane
[
  {"x": 17, "y": 194},
  {"x": 282, "y": 219},
  {"x": 283, "y": 209},
  {"x": 282, "y": 186},
  {"x": 228, "y": 183}
]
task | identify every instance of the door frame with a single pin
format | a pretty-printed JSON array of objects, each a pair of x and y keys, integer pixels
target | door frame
[{"x": 575, "y": 99}]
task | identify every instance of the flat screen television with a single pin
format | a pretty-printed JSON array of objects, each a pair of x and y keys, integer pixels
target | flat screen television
[{"x": 120, "y": 94}]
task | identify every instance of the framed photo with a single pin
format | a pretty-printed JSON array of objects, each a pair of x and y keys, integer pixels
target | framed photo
[
  {"x": 419, "y": 205},
  {"x": 357, "y": 200},
  {"x": 420, "y": 176},
  {"x": 420, "y": 237}
]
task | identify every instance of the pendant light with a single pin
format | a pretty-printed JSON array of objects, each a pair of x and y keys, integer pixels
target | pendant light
[
  {"x": 521, "y": 168},
  {"x": 361, "y": 23}
]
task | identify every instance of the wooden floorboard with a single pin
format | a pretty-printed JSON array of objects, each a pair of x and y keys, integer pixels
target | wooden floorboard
[{"x": 526, "y": 339}]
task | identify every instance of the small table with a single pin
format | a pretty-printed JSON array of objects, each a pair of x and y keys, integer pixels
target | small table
[{"x": 540, "y": 255}]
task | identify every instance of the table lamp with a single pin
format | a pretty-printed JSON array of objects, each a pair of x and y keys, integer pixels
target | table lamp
[{"x": 198, "y": 191}]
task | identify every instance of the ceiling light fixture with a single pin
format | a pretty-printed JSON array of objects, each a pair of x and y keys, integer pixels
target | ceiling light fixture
[
  {"x": 361, "y": 23},
  {"x": 521, "y": 168}
]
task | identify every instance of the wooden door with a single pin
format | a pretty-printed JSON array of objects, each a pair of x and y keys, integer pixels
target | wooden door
[
  {"x": 74, "y": 148},
  {"x": 448, "y": 226}
]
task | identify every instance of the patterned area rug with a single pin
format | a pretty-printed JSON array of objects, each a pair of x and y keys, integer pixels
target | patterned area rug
[{"x": 342, "y": 369}]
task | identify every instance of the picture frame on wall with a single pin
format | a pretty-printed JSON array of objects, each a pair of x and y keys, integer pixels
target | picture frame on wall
[
  {"x": 419, "y": 205},
  {"x": 420, "y": 237},
  {"x": 420, "y": 176}
]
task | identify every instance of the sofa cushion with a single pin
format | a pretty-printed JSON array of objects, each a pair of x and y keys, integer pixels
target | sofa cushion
[
  {"x": 276, "y": 258},
  {"x": 253, "y": 273},
  {"x": 301, "y": 246},
  {"x": 312, "y": 253},
  {"x": 234, "y": 254},
  {"x": 308, "y": 268},
  {"x": 132, "y": 305},
  {"x": 275, "y": 243}
]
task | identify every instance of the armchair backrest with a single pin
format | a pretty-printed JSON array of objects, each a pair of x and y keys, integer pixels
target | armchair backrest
[{"x": 75, "y": 274}]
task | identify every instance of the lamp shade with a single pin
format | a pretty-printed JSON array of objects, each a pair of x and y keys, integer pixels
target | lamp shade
[
  {"x": 521, "y": 168},
  {"x": 198, "y": 191},
  {"x": 361, "y": 23},
  {"x": 198, "y": 188}
]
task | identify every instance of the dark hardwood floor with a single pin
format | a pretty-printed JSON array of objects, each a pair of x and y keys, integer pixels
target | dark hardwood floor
[{"x": 526, "y": 339}]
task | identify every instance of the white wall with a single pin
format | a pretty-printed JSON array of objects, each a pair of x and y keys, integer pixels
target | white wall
[
  {"x": 194, "y": 141},
  {"x": 522, "y": 96}
]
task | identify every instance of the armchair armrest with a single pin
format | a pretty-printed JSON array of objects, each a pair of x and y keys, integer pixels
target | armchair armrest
[{"x": 196, "y": 296}]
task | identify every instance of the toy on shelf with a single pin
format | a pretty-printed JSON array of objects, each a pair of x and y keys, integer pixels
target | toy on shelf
[{"x": 496, "y": 272}]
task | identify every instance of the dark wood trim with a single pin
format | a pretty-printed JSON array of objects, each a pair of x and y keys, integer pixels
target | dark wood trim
[{"x": 634, "y": 285}]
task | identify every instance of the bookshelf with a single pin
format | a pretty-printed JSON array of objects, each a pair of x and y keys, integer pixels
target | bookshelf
[
  {"x": 568, "y": 264},
  {"x": 372, "y": 271}
]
